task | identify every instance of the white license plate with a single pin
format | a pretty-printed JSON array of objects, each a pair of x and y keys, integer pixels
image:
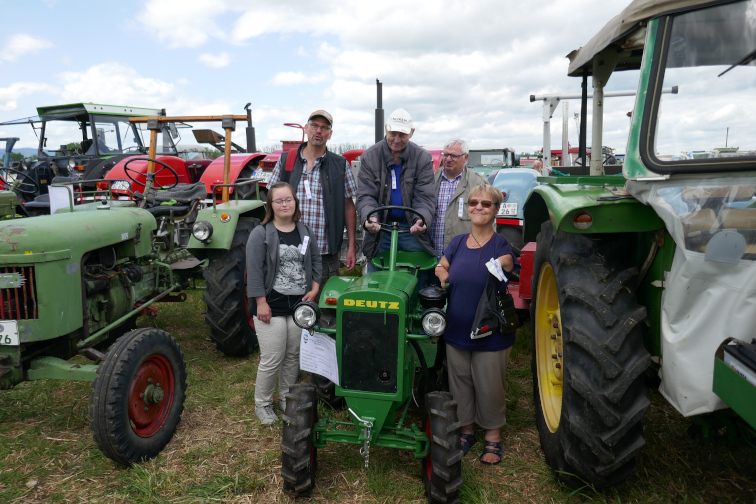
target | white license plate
[
  {"x": 265, "y": 175},
  {"x": 508, "y": 209},
  {"x": 121, "y": 185},
  {"x": 9, "y": 332}
]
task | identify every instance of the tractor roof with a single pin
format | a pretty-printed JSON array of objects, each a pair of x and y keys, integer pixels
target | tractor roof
[
  {"x": 74, "y": 109},
  {"x": 615, "y": 34}
]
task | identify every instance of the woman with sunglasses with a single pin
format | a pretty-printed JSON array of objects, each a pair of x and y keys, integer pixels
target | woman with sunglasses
[
  {"x": 476, "y": 366},
  {"x": 283, "y": 268}
]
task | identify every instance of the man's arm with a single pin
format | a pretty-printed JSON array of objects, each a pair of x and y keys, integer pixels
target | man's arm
[
  {"x": 424, "y": 192},
  {"x": 350, "y": 219},
  {"x": 368, "y": 188}
]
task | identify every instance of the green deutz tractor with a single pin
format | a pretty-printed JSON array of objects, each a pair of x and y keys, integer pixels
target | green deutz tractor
[
  {"x": 379, "y": 321},
  {"x": 655, "y": 269},
  {"x": 73, "y": 283}
]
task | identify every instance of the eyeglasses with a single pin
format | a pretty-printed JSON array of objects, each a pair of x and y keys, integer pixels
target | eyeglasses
[
  {"x": 280, "y": 202},
  {"x": 484, "y": 203},
  {"x": 317, "y": 127},
  {"x": 454, "y": 157}
]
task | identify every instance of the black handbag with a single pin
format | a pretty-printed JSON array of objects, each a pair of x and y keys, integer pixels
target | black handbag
[{"x": 495, "y": 313}]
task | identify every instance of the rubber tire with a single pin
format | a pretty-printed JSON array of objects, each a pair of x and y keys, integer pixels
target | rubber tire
[
  {"x": 325, "y": 389},
  {"x": 246, "y": 192},
  {"x": 442, "y": 468},
  {"x": 112, "y": 426},
  {"x": 598, "y": 434},
  {"x": 226, "y": 295},
  {"x": 299, "y": 455}
]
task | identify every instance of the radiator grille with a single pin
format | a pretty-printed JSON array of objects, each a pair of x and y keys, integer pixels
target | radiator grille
[
  {"x": 19, "y": 303},
  {"x": 369, "y": 351}
]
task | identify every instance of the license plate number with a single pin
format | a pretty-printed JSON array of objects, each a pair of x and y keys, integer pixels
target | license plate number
[
  {"x": 121, "y": 185},
  {"x": 264, "y": 175},
  {"x": 9, "y": 332},
  {"x": 508, "y": 209}
]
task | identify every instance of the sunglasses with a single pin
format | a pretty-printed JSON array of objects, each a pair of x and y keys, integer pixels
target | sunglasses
[{"x": 484, "y": 203}]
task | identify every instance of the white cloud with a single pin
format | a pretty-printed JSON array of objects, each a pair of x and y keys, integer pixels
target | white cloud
[
  {"x": 294, "y": 78},
  {"x": 9, "y": 96},
  {"x": 21, "y": 44},
  {"x": 190, "y": 23},
  {"x": 215, "y": 60}
]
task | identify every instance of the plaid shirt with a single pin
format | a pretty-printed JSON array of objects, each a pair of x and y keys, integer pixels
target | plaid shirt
[
  {"x": 446, "y": 190},
  {"x": 313, "y": 212}
]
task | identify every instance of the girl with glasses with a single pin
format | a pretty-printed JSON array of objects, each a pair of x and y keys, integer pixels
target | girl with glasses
[{"x": 283, "y": 268}]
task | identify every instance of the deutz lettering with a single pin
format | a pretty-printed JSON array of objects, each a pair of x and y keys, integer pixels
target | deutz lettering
[{"x": 361, "y": 303}]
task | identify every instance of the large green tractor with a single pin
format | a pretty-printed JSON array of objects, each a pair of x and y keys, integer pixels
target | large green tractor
[
  {"x": 379, "y": 321},
  {"x": 73, "y": 284},
  {"x": 652, "y": 272}
]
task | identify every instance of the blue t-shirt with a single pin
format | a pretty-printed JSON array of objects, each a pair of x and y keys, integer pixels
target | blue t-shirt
[
  {"x": 467, "y": 280},
  {"x": 396, "y": 194}
]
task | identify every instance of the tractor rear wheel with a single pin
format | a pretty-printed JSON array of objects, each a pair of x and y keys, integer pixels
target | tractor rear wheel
[
  {"x": 231, "y": 325},
  {"x": 588, "y": 357},
  {"x": 442, "y": 468},
  {"x": 326, "y": 391},
  {"x": 138, "y": 396},
  {"x": 513, "y": 234},
  {"x": 299, "y": 455}
]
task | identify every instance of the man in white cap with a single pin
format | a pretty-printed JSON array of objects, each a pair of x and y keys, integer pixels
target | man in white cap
[
  {"x": 324, "y": 183},
  {"x": 396, "y": 171}
]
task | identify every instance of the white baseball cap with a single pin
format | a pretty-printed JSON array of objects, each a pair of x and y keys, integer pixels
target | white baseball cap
[{"x": 399, "y": 120}]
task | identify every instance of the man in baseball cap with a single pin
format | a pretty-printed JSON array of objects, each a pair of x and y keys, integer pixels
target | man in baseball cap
[{"x": 398, "y": 172}]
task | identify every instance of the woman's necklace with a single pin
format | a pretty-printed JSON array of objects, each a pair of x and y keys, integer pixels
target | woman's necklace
[{"x": 476, "y": 240}]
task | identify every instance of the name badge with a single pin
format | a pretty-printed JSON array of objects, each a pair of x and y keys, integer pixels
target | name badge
[
  {"x": 461, "y": 207},
  {"x": 308, "y": 192},
  {"x": 305, "y": 242},
  {"x": 393, "y": 179}
]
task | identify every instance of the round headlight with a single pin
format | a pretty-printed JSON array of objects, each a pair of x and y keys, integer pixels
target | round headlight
[
  {"x": 306, "y": 314},
  {"x": 202, "y": 230},
  {"x": 71, "y": 163},
  {"x": 434, "y": 322}
]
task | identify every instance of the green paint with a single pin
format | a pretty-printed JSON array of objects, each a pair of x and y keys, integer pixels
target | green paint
[{"x": 53, "y": 368}]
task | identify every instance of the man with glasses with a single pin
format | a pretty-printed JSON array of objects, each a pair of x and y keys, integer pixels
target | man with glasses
[
  {"x": 396, "y": 171},
  {"x": 324, "y": 184},
  {"x": 453, "y": 185}
]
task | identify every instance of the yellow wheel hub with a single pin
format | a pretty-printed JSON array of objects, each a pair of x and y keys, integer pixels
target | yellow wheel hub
[{"x": 548, "y": 347}]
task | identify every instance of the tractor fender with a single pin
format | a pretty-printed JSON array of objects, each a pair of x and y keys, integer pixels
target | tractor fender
[
  {"x": 334, "y": 288},
  {"x": 224, "y": 218},
  {"x": 612, "y": 209},
  {"x": 213, "y": 174}
]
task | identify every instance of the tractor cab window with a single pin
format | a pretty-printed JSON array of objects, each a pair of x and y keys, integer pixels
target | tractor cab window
[
  {"x": 166, "y": 139},
  {"x": 63, "y": 137},
  {"x": 115, "y": 135},
  {"x": 710, "y": 56}
]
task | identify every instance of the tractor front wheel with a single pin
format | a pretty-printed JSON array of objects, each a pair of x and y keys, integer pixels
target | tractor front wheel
[
  {"x": 231, "y": 325},
  {"x": 442, "y": 468},
  {"x": 138, "y": 396},
  {"x": 588, "y": 357},
  {"x": 300, "y": 457}
]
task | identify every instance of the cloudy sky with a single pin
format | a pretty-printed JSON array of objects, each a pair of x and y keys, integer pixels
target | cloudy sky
[{"x": 460, "y": 68}]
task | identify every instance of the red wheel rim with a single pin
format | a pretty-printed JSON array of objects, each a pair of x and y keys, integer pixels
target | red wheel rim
[
  {"x": 151, "y": 395},
  {"x": 429, "y": 458}
]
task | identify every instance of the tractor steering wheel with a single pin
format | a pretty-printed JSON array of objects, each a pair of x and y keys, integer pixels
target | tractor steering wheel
[
  {"x": 19, "y": 184},
  {"x": 151, "y": 176},
  {"x": 386, "y": 226}
]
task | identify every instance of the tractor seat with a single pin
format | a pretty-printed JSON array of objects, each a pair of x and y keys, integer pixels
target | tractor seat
[
  {"x": 40, "y": 204},
  {"x": 165, "y": 210}
]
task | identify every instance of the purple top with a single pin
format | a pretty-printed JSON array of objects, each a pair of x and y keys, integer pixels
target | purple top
[{"x": 467, "y": 280}]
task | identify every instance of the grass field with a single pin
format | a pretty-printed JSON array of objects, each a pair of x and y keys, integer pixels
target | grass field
[{"x": 222, "y": 454}]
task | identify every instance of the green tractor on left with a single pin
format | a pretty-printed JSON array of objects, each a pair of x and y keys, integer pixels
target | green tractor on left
[{"x": 73, "y": 284}]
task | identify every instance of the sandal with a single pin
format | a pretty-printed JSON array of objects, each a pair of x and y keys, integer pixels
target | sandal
[
  {"x": 491, "y": 447},
  {"x": 467, "y": 441}
]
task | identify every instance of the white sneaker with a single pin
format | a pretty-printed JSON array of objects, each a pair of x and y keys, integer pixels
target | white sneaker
[{"x": 265, "y": 414}]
